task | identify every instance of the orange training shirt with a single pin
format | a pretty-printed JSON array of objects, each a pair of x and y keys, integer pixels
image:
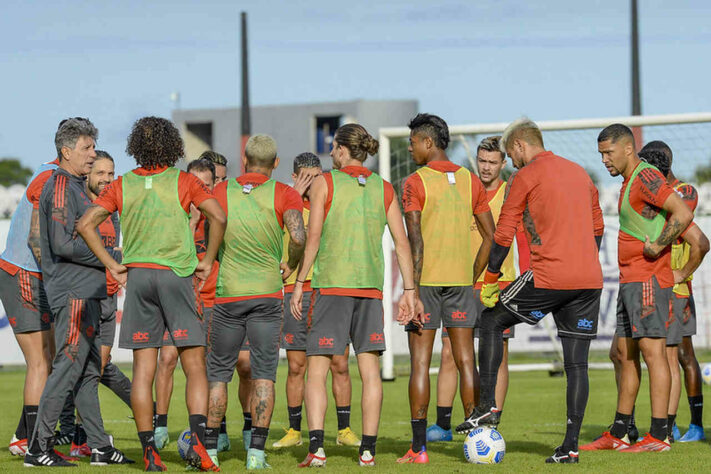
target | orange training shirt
[{"x": 558, "y": 203}]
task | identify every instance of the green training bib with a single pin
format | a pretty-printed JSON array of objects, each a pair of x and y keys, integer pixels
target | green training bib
[
  {"x": 351, "y": 250},
  {"x": 155, "y": 226},
  {"x": 251, "y": 250},
  {"x": 632, "y": 222}
]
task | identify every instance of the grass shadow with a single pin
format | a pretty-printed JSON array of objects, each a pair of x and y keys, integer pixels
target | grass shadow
[
  {"x": 529, "y": 447},
  {"x": 590, "y": 432}
]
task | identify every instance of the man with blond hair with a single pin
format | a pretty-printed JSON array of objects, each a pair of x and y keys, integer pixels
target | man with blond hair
[
  {"x": 563, "y": 223},
  {"x": 248, "y": 299},
  {"x": 490, "y": 162}
]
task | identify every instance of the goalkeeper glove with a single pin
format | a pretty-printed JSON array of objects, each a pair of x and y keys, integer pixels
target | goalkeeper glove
[{"x": 489, "y": 295}]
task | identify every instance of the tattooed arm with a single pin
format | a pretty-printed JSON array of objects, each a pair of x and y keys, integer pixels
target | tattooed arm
[
  {"x": 679, "y": 218},
  {"x": 413, "y": 198},
  {"x": 33, "y": 240},
  {"x": 317, "y": 195},
  {"x": 417, "y": 246},
  {"x": 698, "y": 248},
  {"x": 294, "y": 223}
]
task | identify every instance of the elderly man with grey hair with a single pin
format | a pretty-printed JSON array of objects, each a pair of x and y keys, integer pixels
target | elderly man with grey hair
[
  {"x": 75, "y": 282},
  {"x": 558, "y": 203}
]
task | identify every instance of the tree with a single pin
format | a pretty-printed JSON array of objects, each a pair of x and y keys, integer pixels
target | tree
[
  {"x": 12, "y": 172},
  {"x": 703, "y": 174},
  {"x": 593, "y": 176}
]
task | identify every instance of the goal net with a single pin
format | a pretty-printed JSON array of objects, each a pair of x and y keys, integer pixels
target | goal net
[{"x": 688, "y": 135}]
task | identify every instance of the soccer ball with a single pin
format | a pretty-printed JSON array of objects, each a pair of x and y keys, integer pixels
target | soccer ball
[
  {"x": 184, "y": 442},
  {"x": 484, "y": 446},
  {"x": 706, "y": 374}
]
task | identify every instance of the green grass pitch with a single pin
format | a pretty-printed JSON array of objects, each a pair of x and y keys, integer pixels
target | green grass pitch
[{"x": 532, "y": 425}]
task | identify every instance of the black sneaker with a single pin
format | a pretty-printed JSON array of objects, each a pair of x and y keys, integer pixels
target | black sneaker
[
  {"x": 109, "y": 456},
  {"x": 46, "y": 459},
  {"x": 481, "y": 416},
  {"x": 633, "y": 433},
  {"x": 561, "y": 457},
  {"x": 63, "y": 439}
]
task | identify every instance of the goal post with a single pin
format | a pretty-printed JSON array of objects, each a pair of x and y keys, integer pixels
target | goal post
[{"x": 689, "y": 136}]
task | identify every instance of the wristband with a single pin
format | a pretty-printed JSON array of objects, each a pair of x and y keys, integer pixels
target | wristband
[
  {"x": 299, "y": 281},
  {"x": 408, "y": 289},
  {"x": 491, "y": 277}
]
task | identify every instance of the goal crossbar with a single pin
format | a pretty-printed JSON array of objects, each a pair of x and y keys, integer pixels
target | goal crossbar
[{"x": 574, "y": 124}]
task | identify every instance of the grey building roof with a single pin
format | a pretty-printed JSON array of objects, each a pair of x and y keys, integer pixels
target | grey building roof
[{"x": 296, "y": 128}]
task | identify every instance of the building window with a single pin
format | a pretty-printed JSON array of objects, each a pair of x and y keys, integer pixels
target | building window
[
  {"x": 201, "y": 132},
  {"x": 197, "y": 138},
  {"x": 325, "y": 130}
]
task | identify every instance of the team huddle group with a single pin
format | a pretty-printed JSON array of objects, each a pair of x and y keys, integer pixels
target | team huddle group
[{"x": 220, "y": 273}]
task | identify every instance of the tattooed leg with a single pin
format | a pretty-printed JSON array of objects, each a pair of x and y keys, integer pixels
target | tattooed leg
[
  {"x": 217, "y": 405},
  {"x": 262, "y": 402}
]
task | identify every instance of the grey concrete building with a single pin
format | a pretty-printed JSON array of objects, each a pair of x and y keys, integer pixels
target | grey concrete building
[{"x": 296, "y": 128}]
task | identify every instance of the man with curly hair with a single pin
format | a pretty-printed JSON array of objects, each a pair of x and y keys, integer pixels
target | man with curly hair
[{"x": 159, "y": 257}]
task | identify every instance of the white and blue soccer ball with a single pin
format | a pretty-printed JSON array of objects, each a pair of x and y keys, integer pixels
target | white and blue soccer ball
[
  {"x": 706, "y": 374},
  {"x": 184, "y": 442},
  {"x": 484, "y": 446}
]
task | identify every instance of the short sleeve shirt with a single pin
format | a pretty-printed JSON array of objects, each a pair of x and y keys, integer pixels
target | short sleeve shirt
[{"x": 647, "y": 194}]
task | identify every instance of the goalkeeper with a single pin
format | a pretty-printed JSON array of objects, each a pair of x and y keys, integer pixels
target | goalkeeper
[{"x": 563, "y": 223}]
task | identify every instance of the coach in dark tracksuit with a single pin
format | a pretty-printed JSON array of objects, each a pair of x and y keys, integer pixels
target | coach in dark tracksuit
[
  {"x": 102, "y": 174},
  {"x": 75, "y": 281}
]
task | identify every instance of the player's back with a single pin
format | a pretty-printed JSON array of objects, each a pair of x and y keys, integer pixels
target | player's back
[
  {"x": 154, "y": 223},
  {"x": 350, "y": 254},
  {"x": 251, "y": 250},
  {"x": 561, "y": 218}
]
